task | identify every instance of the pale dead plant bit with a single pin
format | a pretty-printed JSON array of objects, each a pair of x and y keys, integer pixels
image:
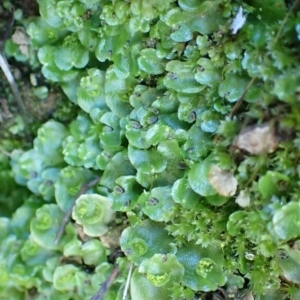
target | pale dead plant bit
[
  {"x": 257, "y": 139},
  {"x": 222, "y": 181}
]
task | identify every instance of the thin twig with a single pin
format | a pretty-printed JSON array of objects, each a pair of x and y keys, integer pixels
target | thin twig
[
  {"x": 107, "y": 284},
  {"x": 14, "y": 87},
  {"x": 284, "y": 21},
  {"x": 127, "y": 282},
  {"x": 240, "y": 101},
  {"x": 237, "y": 105},
  {"x": 6, "y": 70},
  {"x": 67, "y": 215}
]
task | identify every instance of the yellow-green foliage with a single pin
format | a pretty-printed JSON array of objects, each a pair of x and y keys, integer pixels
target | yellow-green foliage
[{"x": 192, "y": 124}]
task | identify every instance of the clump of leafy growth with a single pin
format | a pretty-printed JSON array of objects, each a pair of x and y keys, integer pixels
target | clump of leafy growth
[{"x": 192, "y": 128}]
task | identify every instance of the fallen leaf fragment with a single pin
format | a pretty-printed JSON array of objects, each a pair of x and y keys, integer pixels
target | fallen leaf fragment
[
  {"x": 238, "y": 21},
  {"x": 243, "y": 199},
  {"x": 258, "y": 139},
  {"x": 222, "y": 181},
  {"x": 20, "y": 38}
]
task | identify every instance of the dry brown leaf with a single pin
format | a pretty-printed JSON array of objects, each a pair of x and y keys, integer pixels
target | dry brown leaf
[
  {"x": 243, "y": 199},
  {"x": 258, "y": 139},
  {"x": 222, "y": 181}
]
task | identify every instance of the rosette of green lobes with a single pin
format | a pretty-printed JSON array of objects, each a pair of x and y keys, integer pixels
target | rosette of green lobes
[
  {"x": 183, "y": 194},
  {"x": 203, "y": 267},
  {"x": 77, "y": 15},
  {"x": 153, "y": 169},
  {"x": 151, "y": 9},
  {"x": 268, "y": 184},
  {"x": 142, "y": 288},
  {"x": 162, "y": 269},
  {"x": 125, "y": 194},
  {"x": 190, "y": 106},
  {"x": 83, "y": 126},
  {"x": 198, "y": 144},
  {"x": 45, "y": 226},
  {"x": 50, "y": 70},
  {"x": 184, "y": 20},
  {"x": 143, "y": 96},
  {"x": 166, "y": 103},
  {"x": 116, "y": 14},
  {"x": 93, "y": 212},
  {"x": 157, "y": 204},
  {"x": 71, "y": 279},
  {"x": 46, "y": 152},
  {"x": 176, "y": 165},
  {"x": 35, "y": 255},
  {"x": 69, "y": 183},
  {"x": 119, "y": 165},
  {"x": 49, "y": 142},
  {"x": 143, "y": 14},
  {"x": 157, "y": 133},
  {"x": 15, "y": 274},
  {"x": 125, "y": 63},
  {"x": 111, "y": 137},
  {"x": 71, "y": 54},
  {"x": 112, "y": 43},
  {"x": 284, "y": 85},
  {"x": 104, "y": 158},
  {"x": 117, "y": 92},
  {"x": 207, "y": 73},
  {"x": 27, "y": 165},
  {"x": 82, "y": 147},
  {"x": 199, "y": 182},
  {"x": 90, "y": 92},
  {"x": 236, "y": 222},
  {"x": 150, "y": 63},
  {"x": 20, "y": 221},
  {"x": 48, "y": 11},
  {"x": 160, "y": 39},
  {"x": 233, "y": 87},
  {"x": 181, "y": 77},
  {"x": 42, "y": 33},
  {"x": 285, "y": 222},
  {"x": 135, "y": 132},
  {"x": 82, "y": 153},
  {"x": 198, "y": 177},
  {"x": 172, "y": 152},
  {"x": 289, "y": 262},
  {"x": 146, "y": 161},
  {"x": 209, "y": 121},
  {"x": 144, "y": 240},
  {"x": 46, "y": 189},
  {"x": 93, "y": 252}
]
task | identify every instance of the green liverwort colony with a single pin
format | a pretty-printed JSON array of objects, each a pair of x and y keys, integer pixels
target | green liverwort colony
[{"x": 188, "y": 114}]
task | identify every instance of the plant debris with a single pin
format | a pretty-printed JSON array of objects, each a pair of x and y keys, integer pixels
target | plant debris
[
  {"x": 223, "y": 181},
  {"x": 257, "y": 139},
  {"x": 238, "y": 22}
]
